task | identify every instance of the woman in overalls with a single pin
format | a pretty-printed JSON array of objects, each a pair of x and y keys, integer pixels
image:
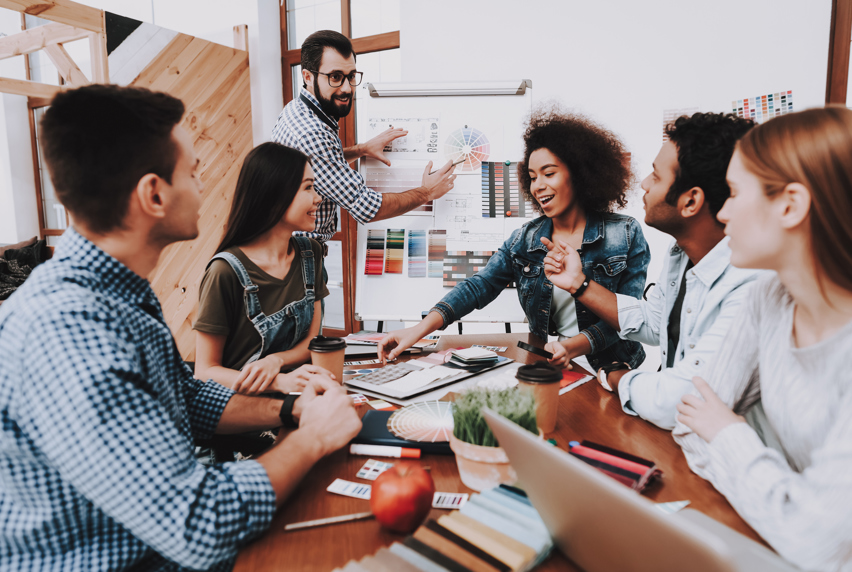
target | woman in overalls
[{"x": 259, "y": 303}]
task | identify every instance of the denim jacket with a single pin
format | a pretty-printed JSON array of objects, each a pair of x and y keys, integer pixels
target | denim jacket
[{"x": 614, "y": 254}]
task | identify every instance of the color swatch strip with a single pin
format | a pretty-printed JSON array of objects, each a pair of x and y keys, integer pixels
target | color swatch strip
[
  {"x": 459, "y": 265},
  {"x": 375, "y": 252},
  {"x": 501, "y": 192},
  {"x": 417, "y": 253},
  {"x": 764, "y": 107},
  {"x": 671, "y": 115},
  {"x": 396, "y": 247},
  {"x": 437, "y": 248}
]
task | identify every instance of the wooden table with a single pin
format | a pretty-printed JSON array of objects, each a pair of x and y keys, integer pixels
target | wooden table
[{"x": 587, "y": 412}]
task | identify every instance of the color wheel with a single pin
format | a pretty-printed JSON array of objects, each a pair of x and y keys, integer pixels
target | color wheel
[
  {"x": 467, "y": 144},
  {"x": 430, "y": 421}
]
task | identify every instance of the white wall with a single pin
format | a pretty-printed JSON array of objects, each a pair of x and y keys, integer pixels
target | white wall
[{"x": 623, "y": 62}]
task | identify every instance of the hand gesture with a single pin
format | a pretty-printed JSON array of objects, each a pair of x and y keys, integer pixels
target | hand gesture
[
  {"x": 375, "y": 147},
  {"x": 330, "y": 417},
  {"x": 560, "y": 355},
  {"x": 297, "y": 379},
  {"x": 707, "y": 416},
  {"x": 395, "y": 343},
  {"x": 440, "y": 182},
  {"x": 563, "y": 266},
  {"x": 256, "y": 376}
]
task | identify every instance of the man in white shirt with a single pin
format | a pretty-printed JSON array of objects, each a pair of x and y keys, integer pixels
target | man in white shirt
[{"x": 698, "y": 293}]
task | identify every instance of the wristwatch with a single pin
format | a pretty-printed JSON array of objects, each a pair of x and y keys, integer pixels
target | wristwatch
[
  {"x": 286, "y": 412},
  {"x": 604, "y": 370}
]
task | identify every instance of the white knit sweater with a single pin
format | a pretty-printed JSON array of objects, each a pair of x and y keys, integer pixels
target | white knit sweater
[{"x": 800, "y": 501}]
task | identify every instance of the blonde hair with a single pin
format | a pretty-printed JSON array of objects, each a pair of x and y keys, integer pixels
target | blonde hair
[{"x": 813, "y": 148}]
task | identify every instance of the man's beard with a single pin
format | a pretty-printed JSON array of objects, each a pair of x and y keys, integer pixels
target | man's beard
[{"x": 331, "y": 108}]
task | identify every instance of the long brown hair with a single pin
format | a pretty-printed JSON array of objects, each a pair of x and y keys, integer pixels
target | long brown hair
[
  {"x": 269, "y": 179},
  {"x": 813, "y": 148}
]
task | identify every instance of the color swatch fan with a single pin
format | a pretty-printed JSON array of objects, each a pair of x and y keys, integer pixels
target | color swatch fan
[
  {"x": 430, "y": 421},
  {"x": 468, "y": 145}
]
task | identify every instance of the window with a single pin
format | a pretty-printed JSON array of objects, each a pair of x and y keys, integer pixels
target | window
[
  {"x": 304, "y": 17},
  {"x": 373, "y": 17}
]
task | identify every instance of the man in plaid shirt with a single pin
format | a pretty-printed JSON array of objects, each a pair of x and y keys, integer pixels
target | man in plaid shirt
[
  {"x": 309, "y": 124},
  {"x": 100, "y": 414}
]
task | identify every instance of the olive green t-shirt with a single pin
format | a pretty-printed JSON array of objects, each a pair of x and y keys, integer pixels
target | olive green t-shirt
[{"x": 221, "y": 309}]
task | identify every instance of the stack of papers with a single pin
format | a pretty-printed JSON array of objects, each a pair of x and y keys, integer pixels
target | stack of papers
[{"x": 473, "y": 357}]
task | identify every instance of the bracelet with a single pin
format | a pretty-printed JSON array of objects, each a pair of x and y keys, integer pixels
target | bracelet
[
  {"x": 286, "y": 412},
  {"x": 579, "y": 291}
]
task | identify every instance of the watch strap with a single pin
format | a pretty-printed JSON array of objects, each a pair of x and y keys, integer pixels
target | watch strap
[{"x": 286, "y": 412}]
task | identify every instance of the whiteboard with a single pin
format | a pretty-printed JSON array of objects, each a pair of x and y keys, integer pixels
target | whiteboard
[{"x": 480, "y": 121}]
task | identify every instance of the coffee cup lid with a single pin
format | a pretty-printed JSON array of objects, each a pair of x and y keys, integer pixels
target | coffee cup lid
[
  {"x": 539, "y": 372},
  {"x": 323, "y": 344}
]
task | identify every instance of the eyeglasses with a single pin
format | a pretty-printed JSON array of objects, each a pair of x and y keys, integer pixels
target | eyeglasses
[{"x": 335, "y": 79}]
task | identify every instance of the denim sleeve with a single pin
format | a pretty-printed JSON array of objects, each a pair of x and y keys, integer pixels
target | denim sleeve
[
  {"x": 632, "y": 283},
  {"x": 480, "y": 289}
]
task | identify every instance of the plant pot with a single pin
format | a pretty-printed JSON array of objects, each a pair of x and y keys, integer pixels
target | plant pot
[{"x": 482, "y": 468}]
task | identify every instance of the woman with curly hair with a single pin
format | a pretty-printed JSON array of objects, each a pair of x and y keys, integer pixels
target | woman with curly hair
[{"x": 575, "y": 173}]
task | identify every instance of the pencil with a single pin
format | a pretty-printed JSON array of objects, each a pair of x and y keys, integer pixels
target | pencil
[{"x": 329, "y": 520}]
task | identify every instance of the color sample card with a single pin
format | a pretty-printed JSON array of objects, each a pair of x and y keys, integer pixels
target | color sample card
[
  {"x": 358, "y": 398},
  {"x": 363, "y": 362},
  {"x": 437, "y": 249},
  {"x": 501, "y": 192},
  {"x": 670, "y": 115},
  {"x": 469, "y": 145},
  {"x": 372, "y": 469},
  {"x": 402, "y": 176},
  {"x": 449, "y": 500},
  {"x": 350, "y": 489},
  {"x": 382, "y": 405},
  {"x": 396, "y": 246},
  {"x": 375, "y": 252},
  {"x": 459, "y": 265},
  {"x": 491, "y": 348},
  {"x": 764, "y": 107},
  {"x": 417, "y": 253}
]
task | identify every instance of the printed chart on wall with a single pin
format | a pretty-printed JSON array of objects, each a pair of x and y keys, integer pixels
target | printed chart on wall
[
  {"x": 408, "y": 263},
  {"x": 764, "y": 107}
]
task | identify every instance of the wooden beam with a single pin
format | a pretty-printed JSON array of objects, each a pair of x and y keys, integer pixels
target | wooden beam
[
  {"x": 62, "y": 11},
  {"x": 346, "y": 18},
  {"x": 241, "y": 41},
  {"x": 66, "y": 66},
  {"x": 99, "y": 59},
  {"x": 38, "y": 38},
  {"x": 838, "y": 52},
  {"x": 377, "y": 43},
  {"x": 28, "y": 88},
  {"x": 286, "y": 72}
]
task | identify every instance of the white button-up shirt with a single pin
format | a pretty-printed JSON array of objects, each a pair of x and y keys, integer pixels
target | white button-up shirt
[{"x": 714, "y": 292}]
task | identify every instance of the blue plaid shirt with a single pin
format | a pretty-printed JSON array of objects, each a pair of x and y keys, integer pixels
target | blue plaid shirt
[
  {"x": 316, "y": 136},
  {"x": 99, "y": 416}
]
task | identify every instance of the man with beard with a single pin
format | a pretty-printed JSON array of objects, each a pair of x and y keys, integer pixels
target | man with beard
[
  {"x": 309, "y": 124},
  {"x": 698, "y": 294}
]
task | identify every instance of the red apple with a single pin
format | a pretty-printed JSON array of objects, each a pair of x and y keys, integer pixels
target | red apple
[{"x": 402, "y": 497}]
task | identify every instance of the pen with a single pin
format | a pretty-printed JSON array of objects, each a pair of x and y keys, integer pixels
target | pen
[
  {"x": 329, "y": 520},
  {"x": 384, "y": 451},
  {"x": 459, "y": 162}
]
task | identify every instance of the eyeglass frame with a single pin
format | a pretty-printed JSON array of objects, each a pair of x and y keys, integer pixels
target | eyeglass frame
[{"x": 346, "y": 77}]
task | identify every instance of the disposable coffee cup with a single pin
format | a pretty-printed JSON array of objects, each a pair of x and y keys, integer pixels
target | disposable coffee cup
[
  {"x": 543, "y": 380},
  {"x": 329, "y": 353}
]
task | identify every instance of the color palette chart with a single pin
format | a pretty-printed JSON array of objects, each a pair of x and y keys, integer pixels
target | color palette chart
[
  {"x": 459, "y": 265},
  {"x": 397, "y": 179},
  {"x": 416, "y": 253},
  {"x": 375, "y": 252},
  {"x": 395, "y": 247},
  {"x": 501, "y": 193},
  {"x": 670, "y": 115},
  {"x": 437, "y": 248},
  {"x": 468, "y": 145},
  {"x": 764, "y": 107}
]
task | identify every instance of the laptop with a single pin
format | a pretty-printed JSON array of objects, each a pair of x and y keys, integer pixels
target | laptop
[{"x": 602, "y": 525}]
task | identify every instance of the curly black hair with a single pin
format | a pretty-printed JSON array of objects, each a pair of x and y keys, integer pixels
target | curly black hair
[
  {"x": 596, "y": 159},
  {"x": 705, "y": 143}
]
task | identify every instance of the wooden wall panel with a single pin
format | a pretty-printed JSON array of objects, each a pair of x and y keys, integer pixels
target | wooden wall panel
[{"x": 213, "y": 82}]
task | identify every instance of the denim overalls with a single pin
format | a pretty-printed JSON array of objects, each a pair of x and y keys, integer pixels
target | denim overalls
[{"x": 287, "y": 327}]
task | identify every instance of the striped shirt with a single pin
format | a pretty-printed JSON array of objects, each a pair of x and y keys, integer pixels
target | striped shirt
[
  {"x": 304, "y": 126},
  {"x": 798, "y": 497},
  {"x": 100, "y": 415}
]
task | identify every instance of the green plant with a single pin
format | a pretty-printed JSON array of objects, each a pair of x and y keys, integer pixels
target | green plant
[{"x": 470, "y": 427}]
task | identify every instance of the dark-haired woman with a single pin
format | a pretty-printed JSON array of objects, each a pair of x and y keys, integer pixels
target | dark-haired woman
[
  {"x": 260, "y": 296},
  {"x": 575, "y": 173}
]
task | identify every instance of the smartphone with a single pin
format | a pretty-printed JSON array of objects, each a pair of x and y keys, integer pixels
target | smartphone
[{"x": 535, "y": 350}]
